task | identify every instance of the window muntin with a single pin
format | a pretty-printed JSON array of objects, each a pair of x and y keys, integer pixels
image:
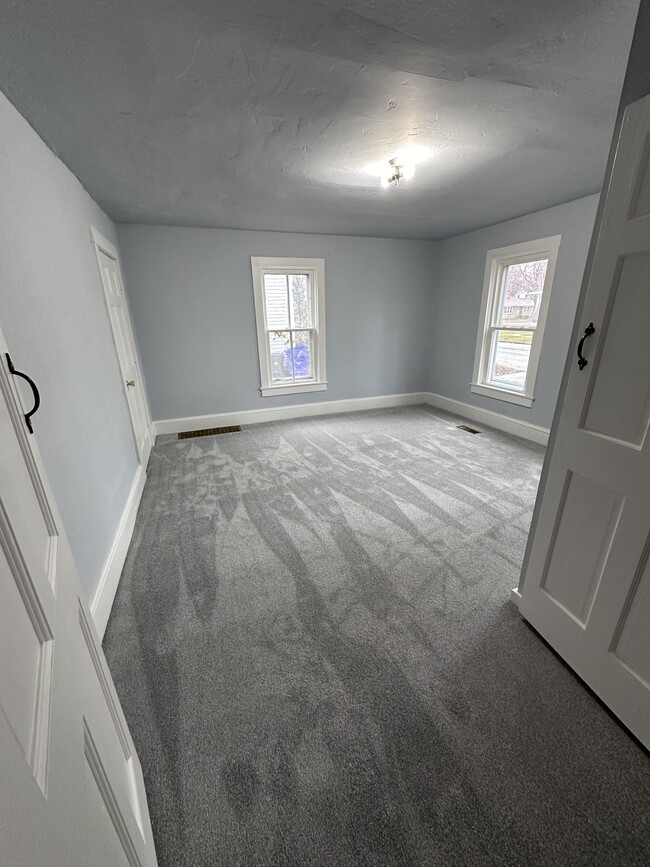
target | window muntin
[
  {"x": 289, "y": 306},
  {"x": 516, "y": 291}
]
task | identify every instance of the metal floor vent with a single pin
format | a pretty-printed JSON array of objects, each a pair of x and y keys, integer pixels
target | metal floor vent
[
  {"x": 208, "y": 432},
  {"x": 468, "y": 429}
]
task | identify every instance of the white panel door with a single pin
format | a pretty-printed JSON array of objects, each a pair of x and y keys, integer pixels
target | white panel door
[
  {"x": 71, "y": 788},
  {"x": 587, "y": 586},
  {"x": 118, "y": 310}
]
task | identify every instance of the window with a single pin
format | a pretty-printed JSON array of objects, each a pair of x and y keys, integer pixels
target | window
[
  {"x": 516, "y": 292},
  {"x": 290, "y": 313}
]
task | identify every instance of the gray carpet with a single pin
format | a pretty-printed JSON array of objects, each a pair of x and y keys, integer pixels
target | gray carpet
[{"x": 319, "y": 665}]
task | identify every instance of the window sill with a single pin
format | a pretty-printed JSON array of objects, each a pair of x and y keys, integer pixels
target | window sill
[
  {"x": 299, "y": 388},
  {"x": 502, "y": 394}
]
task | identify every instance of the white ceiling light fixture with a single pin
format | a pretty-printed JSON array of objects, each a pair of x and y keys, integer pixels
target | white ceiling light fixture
[
  {"x": 397, "y": 172},
  {"x": 400, "y": 167}
]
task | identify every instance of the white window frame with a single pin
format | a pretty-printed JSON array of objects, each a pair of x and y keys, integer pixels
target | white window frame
[
  {"x": 497, "y": 261},
  {"x": 315, "y": 270}
]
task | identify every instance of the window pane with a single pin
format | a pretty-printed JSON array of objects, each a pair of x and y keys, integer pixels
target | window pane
[
  {"x": 522, "y": 293},
  {"x": 303, "y": 354},
  {"x": 276, "y": 299},
  {"x": 509, "y": 359},
  {"x": 280, "y": 353},
  {"x": 300, "y": 301}
]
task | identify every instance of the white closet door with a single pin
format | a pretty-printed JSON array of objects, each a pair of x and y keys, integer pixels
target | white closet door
[
  {"x": 71, "y": 788},
  {"x": 118, "y": 311}
]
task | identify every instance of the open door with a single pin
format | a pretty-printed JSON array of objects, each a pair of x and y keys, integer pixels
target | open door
[
  {"x": 71, "y": 787},
  {"x": 127, "y": 356},
  {"x": 587, "y": 585}
]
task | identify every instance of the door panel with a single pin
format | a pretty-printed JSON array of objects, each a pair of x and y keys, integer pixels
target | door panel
[
  {"x": 632, "y": 644},
  {"x": 619, "y": 405},
  {"x": 587, "y": 584},
  {"x": 640, "y": 205},
  {"x": 101, "y": 829},
  {"x": 61, "y": 725},
  {"x": 18, "y": 641},
  {"x": 32, "y": 525},
  {"x": 28, "y": 567},
  {"x": 590, "y": 506},
  {"x": 110, "y": 735},
  {"x": 106, "y": 814}
]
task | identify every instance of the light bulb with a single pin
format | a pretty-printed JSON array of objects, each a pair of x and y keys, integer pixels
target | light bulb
[
  {"x": 386, "y": 181},
  {"x": 407, "y": 171}
]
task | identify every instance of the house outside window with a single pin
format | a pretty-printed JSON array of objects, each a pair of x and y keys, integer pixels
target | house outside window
[
  {"x": 516, "y": 293},
  {"x": 290, "y": 315}
]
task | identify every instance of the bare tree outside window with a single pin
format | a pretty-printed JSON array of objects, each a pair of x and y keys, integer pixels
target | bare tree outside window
[{"x": 524, "y": 286}]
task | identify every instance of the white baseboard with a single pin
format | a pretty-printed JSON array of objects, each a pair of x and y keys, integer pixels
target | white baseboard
[
  {"x": 523, "y": 429},
  {"x": 102, "y": 601},
  {"x": 496, "y": 420},
  {"x": 279, "y": 413},
  {"x": 515, "y": 596}
]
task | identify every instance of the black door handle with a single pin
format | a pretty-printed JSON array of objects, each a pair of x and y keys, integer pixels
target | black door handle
[
  {"x": 582, "y": 361},
  {"x": 37, "y": 397}
]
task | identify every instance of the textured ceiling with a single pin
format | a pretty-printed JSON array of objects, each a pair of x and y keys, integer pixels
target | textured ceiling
[{"x": 262, "y": 114}]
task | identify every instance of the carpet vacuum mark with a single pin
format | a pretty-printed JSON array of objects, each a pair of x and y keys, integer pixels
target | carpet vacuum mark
[{"x": 315, "y": 653}]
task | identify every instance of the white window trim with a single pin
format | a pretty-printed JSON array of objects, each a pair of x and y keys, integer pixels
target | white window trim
[
  {"x": 315, "y": 268},
  {"x": 496, "y": 261}
]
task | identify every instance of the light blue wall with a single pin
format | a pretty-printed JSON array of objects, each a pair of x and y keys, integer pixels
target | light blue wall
[
  {"x": 54, "y": 318},
  {"x": 456, "y": 302},
  {"x": 192, "y": 302},
  {"x": 402, "y": 316}
]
